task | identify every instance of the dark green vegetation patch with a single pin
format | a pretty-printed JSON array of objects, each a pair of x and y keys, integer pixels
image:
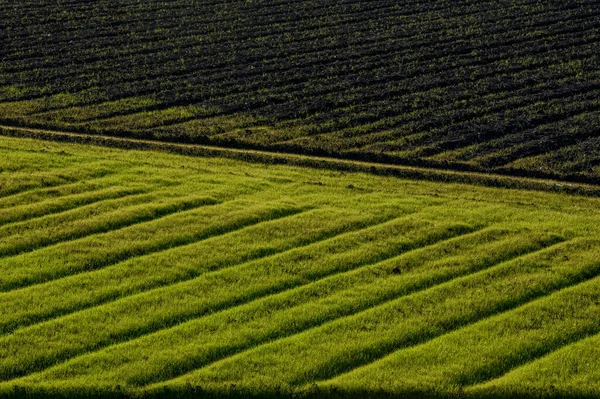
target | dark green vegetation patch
[
  {"x": 128, "y": 273},
  {"x": 506, "y": 86}
]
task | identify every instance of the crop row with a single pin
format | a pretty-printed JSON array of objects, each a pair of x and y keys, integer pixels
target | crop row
[
  {"x": 173, "y": 274},
  {"x": 443, "y": 84}
]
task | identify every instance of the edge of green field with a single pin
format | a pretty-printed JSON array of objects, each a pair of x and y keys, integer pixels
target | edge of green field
[{"x": 259, "y": 156}]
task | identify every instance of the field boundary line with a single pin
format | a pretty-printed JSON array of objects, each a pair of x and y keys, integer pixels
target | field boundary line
[{"x": 319, "y": 162}]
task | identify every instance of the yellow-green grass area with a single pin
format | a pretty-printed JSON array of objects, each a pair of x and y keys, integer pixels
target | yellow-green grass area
[{"x": 129, "y": 273}]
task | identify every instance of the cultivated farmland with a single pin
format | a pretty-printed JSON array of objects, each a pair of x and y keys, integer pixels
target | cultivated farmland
[
  {"x": 505, "y": 86},
  {"x": 129, "y": 273}
]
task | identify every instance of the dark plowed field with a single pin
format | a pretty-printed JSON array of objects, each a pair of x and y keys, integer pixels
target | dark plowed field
[{"x": 507, "y": 86}]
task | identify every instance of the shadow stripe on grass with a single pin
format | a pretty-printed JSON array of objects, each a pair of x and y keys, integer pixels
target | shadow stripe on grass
[
  {"x": 56, "y": 225},
  {"x": 130, "y": 216},
  {"x": 21, "y": 276},
  {"x": 26, "y": 313},
  {"x": 165, "y": 307},
  {"x": 443, "y": 365},
  {"x": 58, "y": 178},
  {"x": 67, "y": 203},
  {"x": 569, "y": 372},
  {"x": 353, "y": 353},
  {"x": 531, "y": 358},
  {"x": 293, "y": 306},
  {"x": 41, "y": 194}
]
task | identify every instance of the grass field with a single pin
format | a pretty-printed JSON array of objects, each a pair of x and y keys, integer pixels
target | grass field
[
  {"x": 508, "y": 87},
  {"x": 132, "y": 273}
]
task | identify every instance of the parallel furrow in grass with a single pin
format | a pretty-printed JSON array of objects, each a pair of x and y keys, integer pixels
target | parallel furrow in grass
[
  {"x": 220, "y": 68},
  {"x": 40, "y": 232},
  {"x": 18, "y": 183},
  {"x": 505, "y": 149},
  {"x": 365, "y": 136},
  {"x": 154, "y": 45},
  {"x": 581, "y": 157},
  {"x": 169, "y": 231},
  {"x": 349, "y": 84},
  {"x": 459, "y": 132},
  {"x": 545, "y": 139},
  {"x": 211, "y": 74},
  {"x": 340, "y": 346},
  {"x": 30, "y": 198},
  {"x": 189, "y": 36},
  {"x": 63, "y": 222},
  {"x": 556, "y": 108},
  {"x": 491, "y": 347},
  {"x": 351, "y": 89},
  {"x": 199, "y": 342},
  {"x": 35, "y": 161},
  {"x": 34, "y": 348},
  {"x": 67, "y": 203},
  {"x": 280, "y": 100},
  {"x": 102, "y": 110},
  {"x": 429, "y": 83},
  {"x": 285, "y": 22},
  {"x": 270, "y": 235},
  {"x": 569, "y": 372}
]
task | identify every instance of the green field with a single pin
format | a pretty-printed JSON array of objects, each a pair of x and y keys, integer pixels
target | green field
[{"x": 139, "y": 273}]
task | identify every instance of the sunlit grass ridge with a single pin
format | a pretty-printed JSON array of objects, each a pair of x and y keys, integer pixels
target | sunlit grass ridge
[{"x": 130, "y": 273}]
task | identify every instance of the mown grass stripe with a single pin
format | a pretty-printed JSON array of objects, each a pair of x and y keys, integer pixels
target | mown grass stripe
[
  {"x": 347, "y": 343},
  {"x": 21, "y": 183},
  {"x": 499, "y": 343},
  {"x": 530, "y": 359},
  {"x": 83, "y": 187},
  {"x": 17, "y": 242},
  {"x": 66, "y": 203},
  {"x": 297, "y": 307},
  {"x": 164, "y": 307},
  {"x": 101, "y": 250},
  {"x": 205, "y": 340},
  {"x": 271, "y": 234},
  {"x": 53, "y": 225},
  {"x": 569, "y": 372},
  {"x": 24, "y": 162}
]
